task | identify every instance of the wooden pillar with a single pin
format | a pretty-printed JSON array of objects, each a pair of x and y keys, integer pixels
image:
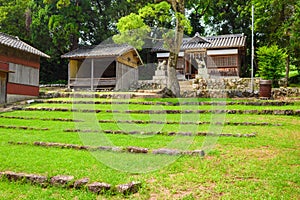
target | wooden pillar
[
  {"x": 3, "y": 85},
  {"x": 69, "y": 75},
  {"x": 92, "y": 74}
]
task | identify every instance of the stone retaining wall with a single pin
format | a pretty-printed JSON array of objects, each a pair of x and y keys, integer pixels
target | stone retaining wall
[
  {"x": 235, "y": 87},
  {"x": 285, "y": 92},
  {"x": 225, "y": 84},
  {"x": 204, "y": 88}
]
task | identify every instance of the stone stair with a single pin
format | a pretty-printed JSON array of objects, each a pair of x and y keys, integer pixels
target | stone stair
[{"x": 186, "y": 86}]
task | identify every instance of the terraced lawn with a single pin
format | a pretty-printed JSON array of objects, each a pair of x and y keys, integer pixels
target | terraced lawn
[{"x": 235, "y": 165}]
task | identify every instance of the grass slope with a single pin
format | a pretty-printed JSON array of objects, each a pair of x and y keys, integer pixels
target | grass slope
[{"x": 263, "y": 167}]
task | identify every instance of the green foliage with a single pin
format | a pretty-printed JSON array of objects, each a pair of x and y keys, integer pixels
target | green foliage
[
  {"x": 134, "y": 29},
  {"x": 224, "y": 17},
  {"x": 58, "y": 26},
  {"x": 15, "y": 18},
  {"x": 157, "y": 14},
  {"x": 271, "y": 62},
  {"x": 277, "y": 22},
  {"x": 294, "y": 32},
  {"x": 184, "y": 22},
  {"x": 198, "y": 9}
]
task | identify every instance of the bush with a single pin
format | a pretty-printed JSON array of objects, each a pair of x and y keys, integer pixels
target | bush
[{"x": 271, "y": 63}]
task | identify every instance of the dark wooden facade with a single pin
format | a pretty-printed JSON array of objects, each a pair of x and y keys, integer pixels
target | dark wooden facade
[{"x": 223, "y": 55}]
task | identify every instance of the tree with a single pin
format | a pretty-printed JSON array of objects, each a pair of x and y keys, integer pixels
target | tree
[
  {"x": 227, "y": 16},
  {"x": 294, "y": 35},
  {"x": 169, "y": 13},
  {"x": 271, "y": 62},
  {"x": 198, "y": 9},
  {"x": 15, "y": 18},
  {"x": 278, "y": 23}
]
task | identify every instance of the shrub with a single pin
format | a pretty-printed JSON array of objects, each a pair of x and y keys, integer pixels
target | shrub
[{"x": 271, "y": 63}]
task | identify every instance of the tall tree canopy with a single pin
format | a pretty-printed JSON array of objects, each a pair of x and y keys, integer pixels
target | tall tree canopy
[
  {"x": 58, "y": 26},
  {"x": 277, "y": 22},
  {"x": 15, "y": 18}
]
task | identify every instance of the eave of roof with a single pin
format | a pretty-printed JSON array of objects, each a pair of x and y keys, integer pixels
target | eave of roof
[
  {"x": 214, "y": 42},
  {"x": 98, "y": 51},
  {"x": 16, "y": 43}
]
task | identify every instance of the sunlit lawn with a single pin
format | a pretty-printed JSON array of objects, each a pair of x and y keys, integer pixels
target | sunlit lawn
[{"x": 263, "y": 167}]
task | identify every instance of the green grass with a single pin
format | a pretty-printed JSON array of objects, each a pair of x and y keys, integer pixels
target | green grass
[
  {"x": 263, "y": 167},
  {"x": 147, "y": 107}
]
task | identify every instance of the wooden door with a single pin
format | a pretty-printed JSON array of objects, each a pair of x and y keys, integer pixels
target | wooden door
[{"x": 3, "y": 80}]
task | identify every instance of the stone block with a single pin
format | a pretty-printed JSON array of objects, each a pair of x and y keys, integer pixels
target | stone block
[
  {"x": 12, "y": 176},
  {"x": 97, "y": 187},
  {"x": 36, "y": 179},
  {"x": 160, "y": 73},
  {"x": 198, "y": 152},
  {"x": 166, "y": 151},
  {"x": 137, "y": 150},
  {"x": 81, "y": 182},
  {"x": 129, "y": 188},
  {"x": 61, "y": 180}
]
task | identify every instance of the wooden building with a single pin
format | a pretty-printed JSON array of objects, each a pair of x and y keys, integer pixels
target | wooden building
[
  {"x": 109, "y": 65},
  {"x": 222, "y": 55},
  {"x": 19, "y": 69}
]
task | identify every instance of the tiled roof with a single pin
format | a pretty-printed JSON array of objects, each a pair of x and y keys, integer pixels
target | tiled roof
[
  {"x": 211, "y": 42},
  {"x": 103, "y": 50},
  {"x": 16, "y": 43}
]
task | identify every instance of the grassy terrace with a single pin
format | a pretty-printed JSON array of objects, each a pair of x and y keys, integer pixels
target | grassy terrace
[{"x": 261, "y": 167}]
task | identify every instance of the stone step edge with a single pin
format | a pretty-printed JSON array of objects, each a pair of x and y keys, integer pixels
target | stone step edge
[
  {"x": 258, "y": 112},
  {"x": 247, "y": 135},
  {"x": 251, "y": 103},
  {"x": 68, "y": 182},
  {"x": 145, "y": 122},
  {"x": 24, "y": 128},
  {"x": 129, "y": 149}
]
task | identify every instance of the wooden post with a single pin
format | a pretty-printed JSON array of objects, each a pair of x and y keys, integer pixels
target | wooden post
[
  {"x": 92, "y": 74},
  {"x": 3, "y": 85},
  {"x": 69, "y": 75}
]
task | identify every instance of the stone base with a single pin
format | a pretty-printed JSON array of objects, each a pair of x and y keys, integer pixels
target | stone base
[
  {"x": 202, "y": 76},
  {"x": 162, "y": 81},
  {"x": 181, "y": 77},
  {"x": 160, "y": 77},
  {"x": 160, "y": 73}
]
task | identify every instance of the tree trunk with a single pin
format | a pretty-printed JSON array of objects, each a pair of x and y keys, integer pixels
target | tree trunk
[
  {"x": 74, "y": 42},
  {"x": 287, "y": 69},
  {"x": 172, "y": 83}
]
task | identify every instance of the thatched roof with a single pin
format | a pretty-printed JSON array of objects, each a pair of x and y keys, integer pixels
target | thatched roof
[{"x": 15, "y": 42}]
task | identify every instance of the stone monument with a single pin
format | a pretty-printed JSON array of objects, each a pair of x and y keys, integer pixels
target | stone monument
[
  {"x": 202, "y": 69},
  {"x": 161, "y": 75}
]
